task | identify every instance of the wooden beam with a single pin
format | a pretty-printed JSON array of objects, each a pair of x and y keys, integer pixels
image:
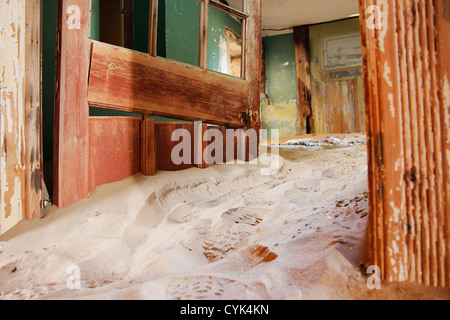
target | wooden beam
[
  {"x": 200, "y": 145},
  {"x": 302, "y": 62},
  {"x": 153, "y": 28},
  {"x": 148, "y": 162},
  {"x": 441, "y": 32},
  {"x": 71, "y": 151},
  {"x": 204, "y": 27},
  {"x": 126, "y": 80},
  {"x": 244, "y": 48},
  {"x": 253, "y": 60},
  {"x": 33, "y": 109}
]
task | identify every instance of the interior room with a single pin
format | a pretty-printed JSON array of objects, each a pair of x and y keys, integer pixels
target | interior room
[{"x": 224, "y": 150}]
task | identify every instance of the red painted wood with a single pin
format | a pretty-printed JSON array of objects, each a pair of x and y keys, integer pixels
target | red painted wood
[
  {"x": 71, "y": 158},
  {"x": 148, "y": 164},
  {"x": 114, "y": 149},
  {"x": 164, "y": 145}
]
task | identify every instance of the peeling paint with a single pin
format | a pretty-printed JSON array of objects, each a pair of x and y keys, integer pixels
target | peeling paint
[
  {"x": 280, "y": 109},
  {"x": 384, "y": 4},
  {"x": 392, "y": 105},
  {"x": 387, "y": 74},
  {"x": 446, "y": 103},
  {"x": 12, "y": 132}
]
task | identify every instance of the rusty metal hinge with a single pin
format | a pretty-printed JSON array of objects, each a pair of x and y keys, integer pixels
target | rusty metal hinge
[{"x": 245, "y": 117}]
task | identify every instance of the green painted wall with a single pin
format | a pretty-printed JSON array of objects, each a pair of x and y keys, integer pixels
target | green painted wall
[
  {"x": 182, "y": 28},
  {"x": 95, "y": 20},
  {"x": 280, "y": 110}
]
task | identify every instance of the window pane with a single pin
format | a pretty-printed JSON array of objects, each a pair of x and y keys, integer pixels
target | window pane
[
  {"x": 224, "y": 43},
  {"x": 178, "y": 30},
  {"x": 236, "y": 4}
]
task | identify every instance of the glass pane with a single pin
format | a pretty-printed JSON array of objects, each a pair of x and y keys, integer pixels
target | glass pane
[
  {"x": 236, "y": 4},
  {"x": 224, "y": 43},
  {"x": 178, "y": 30}
]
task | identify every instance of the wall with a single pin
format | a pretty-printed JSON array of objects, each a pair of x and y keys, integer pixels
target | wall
[
  {"x": 182, "y": 30},
  {"x": 336, "y": 77},
  {"x": 279, "y": 109}
]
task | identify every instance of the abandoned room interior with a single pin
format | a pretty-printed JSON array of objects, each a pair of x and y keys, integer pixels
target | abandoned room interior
[{"x": 212, "y": 149}]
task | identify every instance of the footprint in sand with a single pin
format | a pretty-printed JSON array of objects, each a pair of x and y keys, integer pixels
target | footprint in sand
[
  {"x": 242, "y": 216},
  {"x": 256, "y": 255},
  {"x": 222, "y": 245},
  {"x": 240, "y": 224},
  {"x": 199, "y": 288}
]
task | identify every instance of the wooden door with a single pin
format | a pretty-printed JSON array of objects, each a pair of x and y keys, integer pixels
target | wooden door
[
  {"x": 337, "y": 96},
  {"x": 343, "y": 106}
]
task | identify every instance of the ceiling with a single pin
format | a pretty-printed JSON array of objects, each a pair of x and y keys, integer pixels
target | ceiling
[{"x": 280, "y": 14}]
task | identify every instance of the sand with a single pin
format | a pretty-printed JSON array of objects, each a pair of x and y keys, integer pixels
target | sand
[{"x": 226, "y": 232}]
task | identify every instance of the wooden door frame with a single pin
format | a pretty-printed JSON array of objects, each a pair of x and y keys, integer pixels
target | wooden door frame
[{"x": 406, "y": 74}]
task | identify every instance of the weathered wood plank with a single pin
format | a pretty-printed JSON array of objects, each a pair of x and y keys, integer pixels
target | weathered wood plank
[
  {"x": 203, "y": 43},
  {"x": 439, "y": 157},
  {"x": 71, "y": 151},
  {"x": 253, "y": 61},
  {"x": 374, "y": 140},
  {"x": 114, "y": 149},
  {"x": 441, "y": 32},
  {"x": 126, "y": 80},
  {"x": 406, "y": 82},
  {"x": 12, "y": 114},
  {"x": 165, "y": 145},
  {"x": 411, "y": 238},
  {"x": 33, "y": 151},
  {"x": 148, "y": 162},
  {"x": 200, "y": 145},
  {"x": 302, "y": 62},
  {"x": 153, "y": 28}
]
